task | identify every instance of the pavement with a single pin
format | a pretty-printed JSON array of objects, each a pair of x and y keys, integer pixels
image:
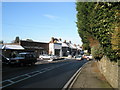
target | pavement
[{"x": 90, "y": 77}]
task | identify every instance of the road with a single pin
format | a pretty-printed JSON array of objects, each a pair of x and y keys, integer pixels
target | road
[{"x": 48, "y": 75}]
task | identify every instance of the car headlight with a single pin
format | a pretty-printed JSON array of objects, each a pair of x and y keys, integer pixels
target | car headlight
[
  {"x": 7, "y": 58},
  {"x": 17, "y": 61}
]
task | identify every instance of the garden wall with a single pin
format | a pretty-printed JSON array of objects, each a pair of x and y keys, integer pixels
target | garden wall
[{"x": 109, "y": 70}]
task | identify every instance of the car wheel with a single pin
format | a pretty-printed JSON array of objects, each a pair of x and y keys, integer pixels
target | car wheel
[
  {"x": 41, "y": 58},
  {"x": 21, "y": 64},
  {"x": 32, "y": 63},
  {"x": 87, "y": 58},
  {"x": 51, "y": 58}
]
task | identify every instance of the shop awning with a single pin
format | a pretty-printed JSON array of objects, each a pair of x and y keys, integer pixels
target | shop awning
[
  {"x": 13, "y": 47},
  {"x": 32, "y": 47}
]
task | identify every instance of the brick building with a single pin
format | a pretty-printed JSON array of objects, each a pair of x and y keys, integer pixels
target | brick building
[
  {"x": 25, "y": 46},
  {"x": 36, "y": 47}
]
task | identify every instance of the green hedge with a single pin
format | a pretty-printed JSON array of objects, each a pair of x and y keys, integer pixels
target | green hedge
[
  {"x": 99, "y": 20},
  {"x": 97, "y": 52}
]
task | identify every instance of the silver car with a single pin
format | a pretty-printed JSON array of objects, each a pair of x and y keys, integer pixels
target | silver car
[{"x": 47, "y": 57}]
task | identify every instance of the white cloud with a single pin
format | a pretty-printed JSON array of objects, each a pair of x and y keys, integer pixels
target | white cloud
[{"x": 50, "y": 16}]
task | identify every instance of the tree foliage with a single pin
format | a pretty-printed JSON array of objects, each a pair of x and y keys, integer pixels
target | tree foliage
[
  {"x": 99, "y": 20},
  {"x": 97, "y": 52}
]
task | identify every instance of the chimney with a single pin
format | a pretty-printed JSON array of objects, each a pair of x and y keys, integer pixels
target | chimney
[
  {"x": 60, "y": 39},
  {"x": 75, "y": 45},
  {"x": 69, "y": 41},
  {"x": 52, "y": 39},
  {"x": 65, "y": 41}
]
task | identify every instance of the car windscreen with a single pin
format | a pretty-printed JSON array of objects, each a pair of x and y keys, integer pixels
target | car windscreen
[{"x": 21, "y": 55}]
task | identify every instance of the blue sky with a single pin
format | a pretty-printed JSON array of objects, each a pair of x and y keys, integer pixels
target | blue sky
[{"x": 39, "y": 21}]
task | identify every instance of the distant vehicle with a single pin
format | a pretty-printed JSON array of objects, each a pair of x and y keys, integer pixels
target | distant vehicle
[
  {"x": 79, "y": 57},
  {"x": 4, "y": 59},
  {"x": 47, "y": 57},
  {"x": 82, "y": 52},
  {"x": 88, "y": 57},
  {"x": 55, "y": 57},
  {"x": 70, "y": 56},
  {"x": 23, "y": 59}
]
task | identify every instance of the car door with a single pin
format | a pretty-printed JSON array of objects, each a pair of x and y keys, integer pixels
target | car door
[
  {"x": 27, "y": 58},
  {"x": 31, "y": 58}
]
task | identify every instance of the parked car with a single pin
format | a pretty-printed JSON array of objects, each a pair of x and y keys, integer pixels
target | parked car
[
  {"x": 47, "y": 57},
  {"x": 79, "y": 57},
  {"x": 23, "y": 59},
  {"x": 4, "y": 59},
  {"x": 55, "y": 57},
  {"x": 69, "y": 56}
]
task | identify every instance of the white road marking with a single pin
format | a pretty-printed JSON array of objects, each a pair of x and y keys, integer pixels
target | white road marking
[
  {"x": 29, "y": 75},
  {"x": 10, "y": 81}
]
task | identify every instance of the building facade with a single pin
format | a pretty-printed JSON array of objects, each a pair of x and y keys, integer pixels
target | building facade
[
  {"x": 55, "y": 49},
  {"x": 9, "y": 50},
  {"x": 37, "y": 47},
  {"x": 25, "y": 46},
  {"x": 63, "y": 49}
]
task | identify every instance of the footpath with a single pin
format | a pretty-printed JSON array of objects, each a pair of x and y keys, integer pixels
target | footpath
[{"x": 90, "y": 78}]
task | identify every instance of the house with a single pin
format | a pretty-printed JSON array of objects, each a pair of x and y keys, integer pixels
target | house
[
  {"x": 65, "y": 49},
  {"x": 55, "y": 47},
  {"x": 25, "y": 46},
  {"x": 59, "y": 48},
  {"x": 36, "y": 47},
  {"x": 72, "y": 48}
]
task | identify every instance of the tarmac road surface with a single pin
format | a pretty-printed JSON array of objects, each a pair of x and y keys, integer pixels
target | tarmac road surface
[{"x": 48, "y": 75}]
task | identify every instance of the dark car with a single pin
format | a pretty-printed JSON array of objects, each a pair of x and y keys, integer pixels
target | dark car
[
  {"x": 23, "y": 59},
  {"x": 4, "y": 59}
]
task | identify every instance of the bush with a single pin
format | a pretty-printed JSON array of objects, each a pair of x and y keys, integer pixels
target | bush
[{"x": 97, "y": 52}]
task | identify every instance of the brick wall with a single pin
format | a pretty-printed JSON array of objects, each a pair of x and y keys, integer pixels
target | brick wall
[{"x": 109, "y": 70}]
